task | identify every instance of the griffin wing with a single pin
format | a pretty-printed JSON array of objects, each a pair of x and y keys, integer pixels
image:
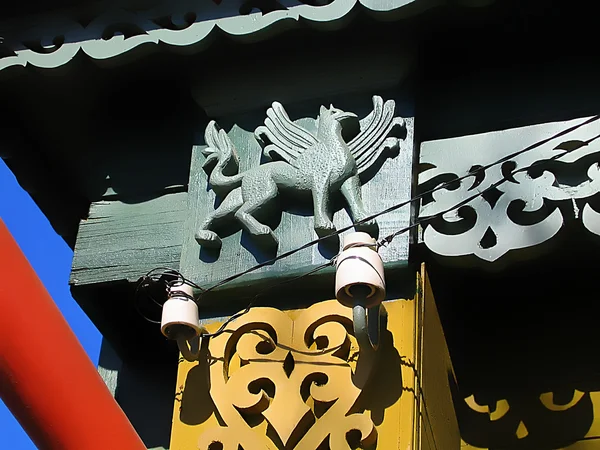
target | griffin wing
[
  {"x": 374, "y": 136},
  {"x": 279, "y": 135}
]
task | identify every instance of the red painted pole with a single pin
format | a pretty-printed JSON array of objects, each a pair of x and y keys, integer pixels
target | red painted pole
[{"x": 46, "y": 378}]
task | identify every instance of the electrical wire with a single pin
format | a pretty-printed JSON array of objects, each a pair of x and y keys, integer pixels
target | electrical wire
[
  {"x": 160, "y": 275},
  {"x": 381, "y": 243},
  {"x": 257, "y": 296},
  {"x": 162, "y": 272},
  {"x": 143, "y": 283},
  {"x": 180, "y": 279},
  {"x": 389, "y": 238},
  {"x": 400, "y": 205},
  {"x": 136, "y": 305}
]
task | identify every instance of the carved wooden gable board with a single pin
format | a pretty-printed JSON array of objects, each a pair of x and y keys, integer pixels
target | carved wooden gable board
[{"x": 520, "y": 202}]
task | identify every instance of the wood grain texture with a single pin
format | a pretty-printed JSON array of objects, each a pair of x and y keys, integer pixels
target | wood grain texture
[
  {"x": 390, "y": 185},
  {"x": 121, "y": 241}
]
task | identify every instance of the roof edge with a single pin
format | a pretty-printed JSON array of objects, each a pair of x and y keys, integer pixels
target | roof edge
[{"x": 53, "y": 41}]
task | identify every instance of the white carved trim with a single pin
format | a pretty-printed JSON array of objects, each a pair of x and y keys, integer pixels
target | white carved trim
[
  {"x": 52, "y": 41},
  {"x": 540, "y": 193},
  {"x": 51, "y": 46}
]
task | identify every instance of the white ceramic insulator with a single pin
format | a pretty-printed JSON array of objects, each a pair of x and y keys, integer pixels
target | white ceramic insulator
[
  {"x": 359, "y": 264},
  {"x": 180, "y": 310}
]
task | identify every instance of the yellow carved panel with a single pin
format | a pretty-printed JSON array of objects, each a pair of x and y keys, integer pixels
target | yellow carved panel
[{"x": 294, "y": 380}]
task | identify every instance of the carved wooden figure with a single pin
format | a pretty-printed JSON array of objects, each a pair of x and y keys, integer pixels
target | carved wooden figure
[{"x": 317, "y": 164}]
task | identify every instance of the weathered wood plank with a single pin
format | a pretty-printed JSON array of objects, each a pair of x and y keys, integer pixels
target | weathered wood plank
[{"x": 123, "y": 241}]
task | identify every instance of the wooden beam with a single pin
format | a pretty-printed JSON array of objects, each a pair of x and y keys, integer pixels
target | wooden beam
[{"x": 133, "y": 237}]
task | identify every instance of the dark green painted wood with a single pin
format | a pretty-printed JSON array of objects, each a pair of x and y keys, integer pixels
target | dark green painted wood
[
  {"x": 121, "y": 241},
  {"x": 391, "y": 184}
]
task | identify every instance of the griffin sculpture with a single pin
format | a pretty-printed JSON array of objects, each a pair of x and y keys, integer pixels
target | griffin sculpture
[{"x": 318, "y": 164}]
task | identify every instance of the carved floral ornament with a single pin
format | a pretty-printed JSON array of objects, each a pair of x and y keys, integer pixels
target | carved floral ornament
[
  {"x": 529, "y": 207},
  {"x": 300, "y": 376},
  {"x": 52, "y": 41}
]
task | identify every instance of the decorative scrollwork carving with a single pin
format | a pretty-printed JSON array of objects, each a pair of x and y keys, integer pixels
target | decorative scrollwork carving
[
  {"x": 176, "y": 24},
  {"x": 529, "y": 206},
  {"x": 297, "y": 375},
  {"x": 561, "y": 419}
]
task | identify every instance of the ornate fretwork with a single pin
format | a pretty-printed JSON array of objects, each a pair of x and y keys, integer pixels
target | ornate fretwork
[
  {"x": 526, "y": 209},
  {"x": 300, "y": 376},
  {"x": 565, "y": 419},
  {"x": 52, "y": 41}
]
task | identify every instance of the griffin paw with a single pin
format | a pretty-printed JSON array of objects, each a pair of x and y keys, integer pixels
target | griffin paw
[
  {"x": 208, "y": 239},
  {"x": 325, "y": 228},
  {"x": 266, "y": 238}
]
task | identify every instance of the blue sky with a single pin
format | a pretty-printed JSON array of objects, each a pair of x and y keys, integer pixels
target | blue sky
[{"x": 51, "y": 259}]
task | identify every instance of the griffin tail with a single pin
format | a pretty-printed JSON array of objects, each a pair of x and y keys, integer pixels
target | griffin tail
[{"x": 224, "y": 176}]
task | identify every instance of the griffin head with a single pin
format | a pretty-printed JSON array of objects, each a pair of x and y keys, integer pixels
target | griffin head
[
  {"x": 335, "y": 114},
  {"x": 332, "y": 119}
]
